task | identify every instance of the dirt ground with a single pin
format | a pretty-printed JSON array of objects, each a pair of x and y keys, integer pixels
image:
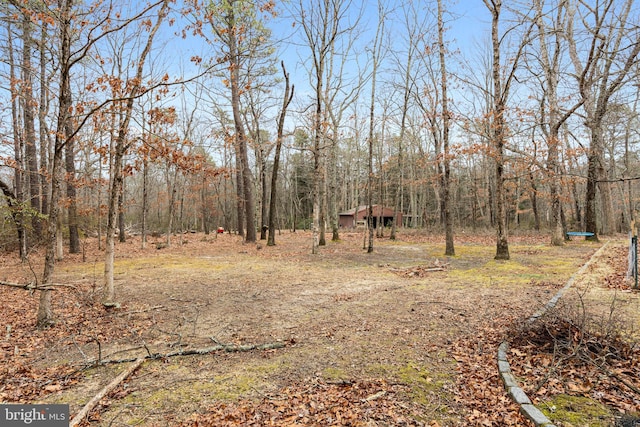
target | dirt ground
[{"x": 402, "y": 336}]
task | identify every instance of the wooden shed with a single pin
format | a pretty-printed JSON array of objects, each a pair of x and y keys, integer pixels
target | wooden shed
[{"x": 358, "y": 216}]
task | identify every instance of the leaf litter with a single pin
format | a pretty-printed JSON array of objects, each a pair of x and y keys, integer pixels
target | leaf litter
[{"x": 351, "y": 330}]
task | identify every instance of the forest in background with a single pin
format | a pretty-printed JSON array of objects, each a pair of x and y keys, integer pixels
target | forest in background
[{"x": 164, "y": 117}]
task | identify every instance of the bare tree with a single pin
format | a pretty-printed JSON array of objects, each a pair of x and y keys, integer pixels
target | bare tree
[
  {"x": 548, "y": 54},
  {"x": 446, "y": 124},
  {"x": 286, "y": 100},
  {"x": 612, "y": 42},
  {"x": 323, "y": 24},
  {"x": 260, "y": 72},
  {"x": 133, "y": 90},
  {"x": 30, "y": 140},
  {"x": 498, "y": 129},
  {"x": 377, "y": 53},
  {"x": 45, "y": 310},
  {"x": 234, "y": 32},
  {"x": 240, "y": 33},
  {"x": 416, "y": 24},
  {"x": 15, "y": 198},
  {"x": 340, "y": 92},
  {"x": 43, "y": 108}
]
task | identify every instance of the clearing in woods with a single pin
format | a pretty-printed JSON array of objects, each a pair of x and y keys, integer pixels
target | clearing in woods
[{"x": 402, "y": 336}]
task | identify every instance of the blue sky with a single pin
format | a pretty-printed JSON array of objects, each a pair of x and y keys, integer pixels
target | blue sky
[{"x": 468, "y": 27}]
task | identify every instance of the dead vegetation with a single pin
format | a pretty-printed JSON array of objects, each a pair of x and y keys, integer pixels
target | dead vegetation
[
  {"x": 586, "y": 350},
  {"x": 362, "y": 345}
]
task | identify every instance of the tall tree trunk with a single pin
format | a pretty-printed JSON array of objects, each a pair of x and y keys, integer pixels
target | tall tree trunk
[
  {"x": 30, "y": 140},
  {"x": 172, "y": 189},
  {"x": 628, "y": 195},
  {"x": 370, "y": 224},
  {"x": 590, "y": 213},
  {"x": 333, "y": 191},
  {"x": 44, "y": 316},
  {"x": 551, "y": 69},
  {"x": 534, "y": 201},
  {"x": 181, "y": 226},
  {"x": 606, "y": 201},
  {"x": 317, "y": 170},
  {"x": 557, "y": 236},
  {"x": 286, "y": 100},
  {"x": 597, "y": 182},
  {"x": 406, "y": 89},
  {"x": 203, "y": 201},
  {"x": 121, "y": 220},
  {"x": 322, "y": 239},
  {"x": 446, "y": 176},
  {"x": 145, "y": 198},
  {"x": 376, "y": 54},
  {"x": 16, "y": 200},
  {"x": 45, "y": 143},
  {"x": 99, "y": 210},
  {"x": 240, "y": 210},
  {"x": 502, "y": 243},
  {"x": 264, "y": 207},
  {"x": 70, "y": 166},
  {"x": 108, "y": 294},
  {"x": 240, "y": 135},
  {"x": 60, "y": 240},
  {"x": 598, "y": 80},
  {"x": 497, "y": 135}
]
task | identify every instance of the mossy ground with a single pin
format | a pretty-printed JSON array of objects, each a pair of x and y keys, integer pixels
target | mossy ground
[
  {"x": 575, "y": 411},
  {"x": 343, "y": 314}
]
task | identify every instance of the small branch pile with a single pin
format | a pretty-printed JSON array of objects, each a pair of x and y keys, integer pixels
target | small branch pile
[
  {"x": 419, "y": 270},
  {"x": 559, "y": 356}
]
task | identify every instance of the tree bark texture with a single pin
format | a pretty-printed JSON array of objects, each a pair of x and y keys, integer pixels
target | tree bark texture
[
  {"x": 286, "y": 100},
  {"x": 240, "y": 135},
  {"x": 498, "y": 137},
  {"x": 30, "y": 140},
  {"x": 446, "y": 175},
  {"x": 44, "y": 316}
]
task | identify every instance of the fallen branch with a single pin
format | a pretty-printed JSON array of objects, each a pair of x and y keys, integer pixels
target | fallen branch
[
  {"x": 419, "y": 271},
  {"x": 196, "y": 351},
  {"x": 144, "y": 310},
  {"x": 619, "y": 378},
  {"x": 27, "y": 286},
  {"x": 375, "y": 396},
  {"x": 106, "y": 390},
  {"x": 35, "y": 287},
  {"x": 446, "y": 305}
]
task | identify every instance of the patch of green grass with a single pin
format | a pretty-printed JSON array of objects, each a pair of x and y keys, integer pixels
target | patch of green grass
[
  {"x": 527, "y": 264},
  {"x": 467, "y": 251},
  {"x": 228, "y": 386},
  {"x": 423, "y": 383},
  {"x": 332, "y": 373},
  {"x": 576, "y": 411}
]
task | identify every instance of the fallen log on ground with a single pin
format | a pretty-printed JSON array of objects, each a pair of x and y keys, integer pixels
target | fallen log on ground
[
  {"x": 229, "y": 348},
  {"x": 105, "y": 390},
  {"x": 36, "y": 287}
]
